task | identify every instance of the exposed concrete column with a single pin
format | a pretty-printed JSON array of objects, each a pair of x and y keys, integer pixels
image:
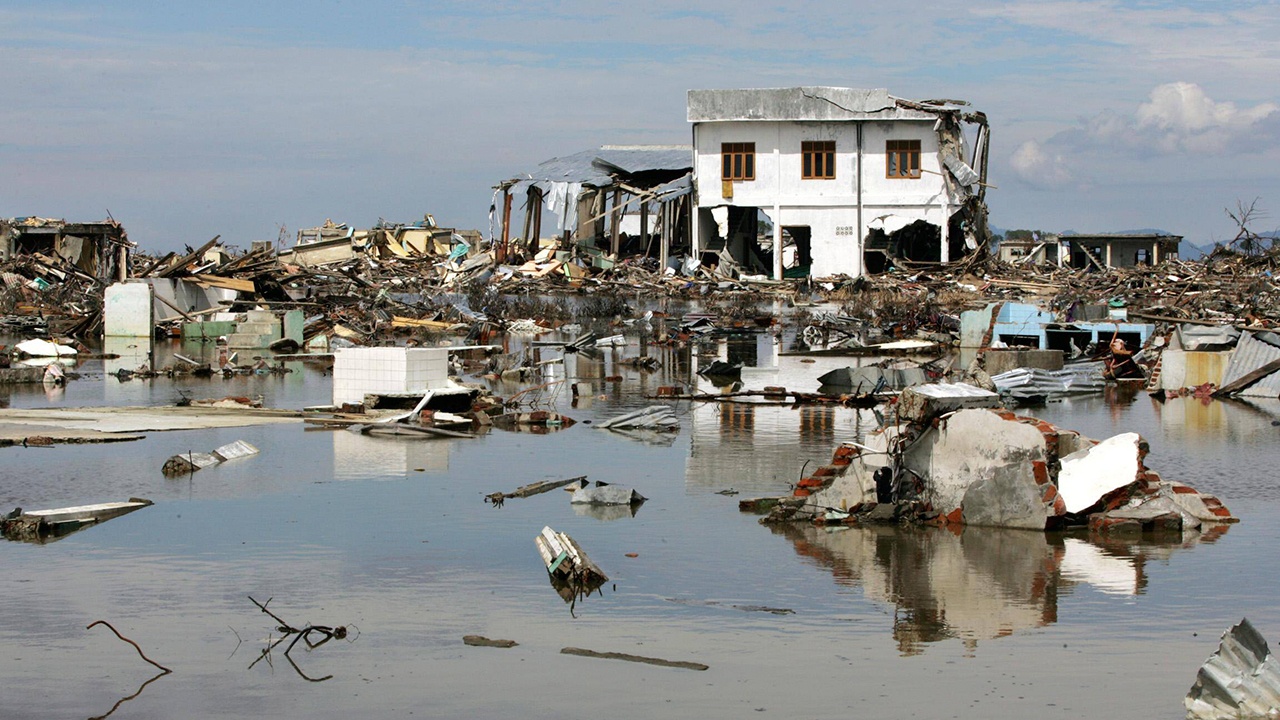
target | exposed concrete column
[
  {"x": 664, "y": 247},
  {"x": 1155, "y": 253},
  {"x": 644, "y": 226},
  {"x": 535, "y": 242},
  {"x": 695, "y": 216},
  {"x": 777, "y": 211},
  {"x": 1108, "y": 254},
  {"x": 615, "y": 221},
  {"x": 944, "y": 253},
  {"x": 501, "y": 251},
  {"x": 777, "y": 243},
  {"x": 862, "y": 230}
]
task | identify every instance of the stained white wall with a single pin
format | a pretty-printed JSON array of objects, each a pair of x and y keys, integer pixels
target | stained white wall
[
  {"x": 127, "y": 310},
  {"x": 828, "y": 207}
]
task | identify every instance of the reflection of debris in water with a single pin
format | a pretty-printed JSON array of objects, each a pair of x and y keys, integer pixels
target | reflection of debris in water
[
  {"x": 606, "y": 513},
  {"x": 574, "y": 590},
  {"x": 324, "y": 632},
  {"x": 971, "y": 583}
]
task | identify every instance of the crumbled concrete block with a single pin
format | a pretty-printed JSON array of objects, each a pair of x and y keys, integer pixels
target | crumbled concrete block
[
  {"x": 921, "y": 403},
  {"x": 1089, "y": 474}
]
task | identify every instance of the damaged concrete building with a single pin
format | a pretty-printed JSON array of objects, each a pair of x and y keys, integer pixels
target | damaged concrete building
[
  {"x": 849, "y": 179},
  {"x": 1097, "y": 251},
  {"x": 97, "y": 249},
  {"x": 591, "y": 195}
]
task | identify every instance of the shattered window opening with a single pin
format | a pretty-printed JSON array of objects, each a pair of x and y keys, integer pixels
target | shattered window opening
[
  {"x": 738, "y": 161},
  {"x": 903, "y": 159},
  {"x": 819, "y": 159}
]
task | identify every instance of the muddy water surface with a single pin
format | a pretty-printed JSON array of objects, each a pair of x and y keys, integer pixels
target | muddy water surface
[{"x": 391, "y": 539}]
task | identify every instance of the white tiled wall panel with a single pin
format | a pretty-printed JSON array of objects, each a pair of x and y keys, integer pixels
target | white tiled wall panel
[{"x": 387, "y": 371}]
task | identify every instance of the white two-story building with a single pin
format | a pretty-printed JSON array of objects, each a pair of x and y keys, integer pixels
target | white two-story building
[{"x": 849, "y": 179}]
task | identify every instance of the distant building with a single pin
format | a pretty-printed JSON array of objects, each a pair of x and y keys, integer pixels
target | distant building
[
  {"x": 99, "y": 249},
  {"x": 1036, "y": 250},
  {"x": 850, "y": 179},
  {"x": 1119, "y": 250},
  {"x": 590, "y": 197}
]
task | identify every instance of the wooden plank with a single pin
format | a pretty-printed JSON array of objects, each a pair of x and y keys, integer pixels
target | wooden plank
[
  {"x": 1247, "y": 379},
  {"x": 398, "y": 321},
  {"x": 187, "y": 260},
  {"x": 225, "y": 282}
]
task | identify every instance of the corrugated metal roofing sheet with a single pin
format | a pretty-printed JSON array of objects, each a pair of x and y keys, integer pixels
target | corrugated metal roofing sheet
[
  {"x": 1254, "y": 350},
  {"x": 595, "y": 167}
]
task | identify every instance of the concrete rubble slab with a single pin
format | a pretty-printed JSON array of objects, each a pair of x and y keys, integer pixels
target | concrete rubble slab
[
  {"x": 605, "y": 495},
  {"x": 1088, "y": 474},
  {"x": 923, "y": 402},
  {"x": 659, "y": 417}
]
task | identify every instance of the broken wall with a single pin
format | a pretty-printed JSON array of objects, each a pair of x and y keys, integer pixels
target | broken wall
[{"x": 993, "y": 468}]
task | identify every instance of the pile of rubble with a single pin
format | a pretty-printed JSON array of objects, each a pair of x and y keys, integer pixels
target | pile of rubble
[{"x": 957, "y": 458}]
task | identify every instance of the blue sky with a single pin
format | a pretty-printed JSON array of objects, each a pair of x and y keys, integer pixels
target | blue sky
[{"x": 189, "y": 120}]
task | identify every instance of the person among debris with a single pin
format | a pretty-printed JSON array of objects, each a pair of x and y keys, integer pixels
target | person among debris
[{"x": 1120, "y": 364}]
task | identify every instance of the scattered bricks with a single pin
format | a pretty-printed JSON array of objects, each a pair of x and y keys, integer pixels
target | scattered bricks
[
  {"x": 1041, "y": 471},
  {"x": 800, "y": 492},
  {"x": 826, "y": 471},
  {"x": 811, "y": 482},
  {"x": 955, "y": 517},
  {"x": 1050, "y": 494},
  {"x": 1007, "y": 415},
  {"x": 1183, "y": 489},
  {"x": 1059, "y": 506},
  {"x": 1220, "y": 511},
  {"x": 844, "y": 455}
]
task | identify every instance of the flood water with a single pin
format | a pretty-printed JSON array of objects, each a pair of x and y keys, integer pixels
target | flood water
[{"x": 390, "y": 538}]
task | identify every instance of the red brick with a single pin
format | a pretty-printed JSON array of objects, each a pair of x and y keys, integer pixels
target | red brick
[
  {"x": 1041, "y": 471},
  {"x": 1050, "y": 493},
  {"x": 955, "y": 517}
]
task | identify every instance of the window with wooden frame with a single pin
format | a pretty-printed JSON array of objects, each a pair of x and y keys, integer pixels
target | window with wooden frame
[
  {"x": 737, "y": 161},
  {"x": 902, "y": 159},
  {"x": 819, "y": 159}
]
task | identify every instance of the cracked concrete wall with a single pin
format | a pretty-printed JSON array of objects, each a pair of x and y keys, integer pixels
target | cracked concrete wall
[{"x": 986, "y": 465}]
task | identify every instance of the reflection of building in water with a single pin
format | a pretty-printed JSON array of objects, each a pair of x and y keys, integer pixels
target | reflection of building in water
[
  {"x": 761, "y": 446},
  {"x": 975, "y": 584},
  {"x": 360, "y": 457},
  {"x": 1210, "y": 423}
]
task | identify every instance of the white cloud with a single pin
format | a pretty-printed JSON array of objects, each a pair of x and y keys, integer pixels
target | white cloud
[
  {"x": 1039, "y": 168},
  {"x": 1178, "y": 119}
]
